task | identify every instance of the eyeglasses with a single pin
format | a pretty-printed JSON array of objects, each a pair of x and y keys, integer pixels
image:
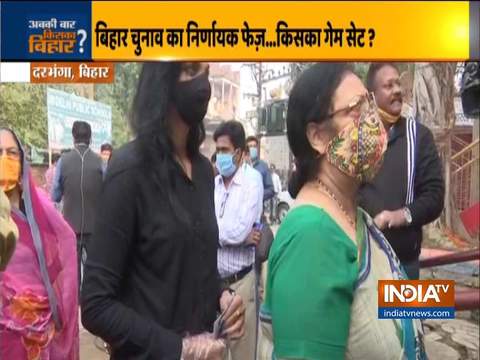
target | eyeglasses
[
  {"x": 358, "y": 103},
  {"x": 10, "y": 152}
]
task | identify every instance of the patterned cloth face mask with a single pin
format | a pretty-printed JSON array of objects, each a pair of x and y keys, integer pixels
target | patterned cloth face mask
[{"x": 358, "y": 149}]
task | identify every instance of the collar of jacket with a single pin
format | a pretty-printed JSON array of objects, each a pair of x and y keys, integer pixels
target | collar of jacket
[{"x": 397, "y": 130}]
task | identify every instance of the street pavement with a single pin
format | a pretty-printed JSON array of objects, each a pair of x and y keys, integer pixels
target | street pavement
[{"x": 88, "y": 350}]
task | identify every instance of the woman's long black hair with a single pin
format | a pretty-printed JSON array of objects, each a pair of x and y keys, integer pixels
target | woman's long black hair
[
  {"x": 149, "y": 122},
  {"x": 149, "y": 111},
  {"x": 310, "y": 101}
]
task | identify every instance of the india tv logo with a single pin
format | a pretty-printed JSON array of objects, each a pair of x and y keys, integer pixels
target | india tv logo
[{"x": 416, "y": 299}]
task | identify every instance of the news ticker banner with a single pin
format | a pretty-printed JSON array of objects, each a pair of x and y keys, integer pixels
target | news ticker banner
[{"x": 240, "y": 30}]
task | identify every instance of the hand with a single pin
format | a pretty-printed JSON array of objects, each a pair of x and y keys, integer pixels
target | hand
[
  {"x": 203, "y": 347},
  {"x": 8, "y": 232},
  {"x": 390, "y": 219},
  {"x": 254, "y": 237},
  {"x": 234, "y": 318},
  {"x": 261, "y": 293},
  {"x": 7, "y": 247}
]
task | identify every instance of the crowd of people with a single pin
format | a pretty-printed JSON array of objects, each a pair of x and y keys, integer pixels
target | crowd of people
[{"x": 158, "y": 246}]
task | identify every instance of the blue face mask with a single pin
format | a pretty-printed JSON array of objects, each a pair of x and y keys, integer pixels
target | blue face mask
[
  {"x": 225, "y": 165},
  {"x": 253, "y": 153}
]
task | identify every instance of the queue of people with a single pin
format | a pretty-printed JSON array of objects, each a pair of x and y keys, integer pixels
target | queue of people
[{"x": 167, "y": 239}]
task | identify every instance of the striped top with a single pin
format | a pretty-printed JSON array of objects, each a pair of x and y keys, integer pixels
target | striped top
[{"x": 237, "y": 208}]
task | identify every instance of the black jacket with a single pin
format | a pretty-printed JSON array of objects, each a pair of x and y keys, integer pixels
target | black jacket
[
  {"x": 151, "y": 273},
  {"x": 389, "y": 188},
  {"x": 81, "y": 189}
]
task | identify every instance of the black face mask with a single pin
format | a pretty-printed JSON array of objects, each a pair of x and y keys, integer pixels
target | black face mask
[{"x": 191, "y": 99}]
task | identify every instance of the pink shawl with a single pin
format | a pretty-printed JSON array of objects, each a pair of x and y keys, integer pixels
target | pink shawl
[{"x": 38, "y": 290}]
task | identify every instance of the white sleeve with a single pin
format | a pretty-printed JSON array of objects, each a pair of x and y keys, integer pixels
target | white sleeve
[{"x": 236, "y": 232}]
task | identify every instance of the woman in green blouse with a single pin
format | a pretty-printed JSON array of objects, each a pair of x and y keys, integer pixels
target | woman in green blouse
[{"x": 327, "y": 257}]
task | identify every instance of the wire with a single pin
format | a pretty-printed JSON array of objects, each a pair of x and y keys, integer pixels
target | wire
[{"x": 82, "y": 223}]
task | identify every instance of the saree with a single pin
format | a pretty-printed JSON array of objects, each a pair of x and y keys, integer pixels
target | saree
[
  {"x": 38, "y": 289},
  {"x": 368, "y": 337}
]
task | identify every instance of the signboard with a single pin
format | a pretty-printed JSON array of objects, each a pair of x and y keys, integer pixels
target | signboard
[{"x": 64, "y": 109}]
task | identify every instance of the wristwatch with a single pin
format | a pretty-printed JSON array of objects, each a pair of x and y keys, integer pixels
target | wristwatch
[{"x": 408, "y": 215}]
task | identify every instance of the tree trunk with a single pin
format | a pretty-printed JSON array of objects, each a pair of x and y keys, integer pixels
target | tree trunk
[
  {"x": 448, "y": 180},
  {"x": 433, "y": 96}
]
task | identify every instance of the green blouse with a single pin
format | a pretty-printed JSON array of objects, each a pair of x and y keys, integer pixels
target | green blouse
[{"x": 312, "y": 269}]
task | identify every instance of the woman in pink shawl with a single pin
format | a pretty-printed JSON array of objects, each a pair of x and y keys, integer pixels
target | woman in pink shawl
[{"x": 38, "y": 289}]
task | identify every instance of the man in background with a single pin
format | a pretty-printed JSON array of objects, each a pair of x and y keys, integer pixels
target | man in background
[
  {"x": 78, "y": 180},
  {"x": 50, "y": 173},
  {"x": 238, "y": 208},
  {"x": 277, "y": 188},
  {"x": 408, "y": 191},
  {"x": 106, "y": 151},
  {"x": 261, "y": 166}
]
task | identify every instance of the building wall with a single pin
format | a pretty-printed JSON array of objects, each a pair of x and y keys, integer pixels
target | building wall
[{"x": 225, "y": 83}]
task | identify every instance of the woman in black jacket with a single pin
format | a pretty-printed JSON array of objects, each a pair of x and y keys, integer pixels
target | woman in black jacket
[{"x": 151, "y": 283}]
